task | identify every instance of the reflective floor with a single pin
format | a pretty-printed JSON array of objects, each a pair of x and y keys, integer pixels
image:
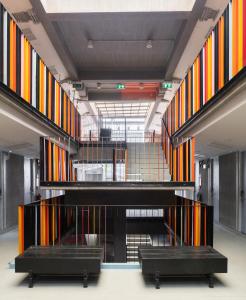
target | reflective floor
[{"x": 128, "y": 283}]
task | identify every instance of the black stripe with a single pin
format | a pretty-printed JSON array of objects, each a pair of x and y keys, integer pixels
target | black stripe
[
  {"x": 37, "y": 82},
  {"x": 52, "y": 161}
]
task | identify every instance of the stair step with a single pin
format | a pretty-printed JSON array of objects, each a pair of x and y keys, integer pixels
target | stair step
[
  {"x": 132, "y": 258},
  {"x": 138, "y": 238},
  {"x": 131, "y": 243}
]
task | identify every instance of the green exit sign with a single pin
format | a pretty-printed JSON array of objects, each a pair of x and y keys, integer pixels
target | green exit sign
[
  {"x": 167, "y": 85},
  {"x": 120, "y": 86},
  {"x": 78, "y": 85}
]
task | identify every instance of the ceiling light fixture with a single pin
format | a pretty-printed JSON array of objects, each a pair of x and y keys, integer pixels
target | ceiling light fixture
[
  {"x": 90, "y": 44},
  {"x": 99, "y": 85},
  {"x": 149, "y": 44}
]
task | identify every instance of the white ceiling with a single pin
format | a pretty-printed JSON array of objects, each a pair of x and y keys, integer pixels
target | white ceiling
[
  {"x": 226, "y": 135},
  {"x": 17, "y": 138},
  {"x": 71, "y": 6}
]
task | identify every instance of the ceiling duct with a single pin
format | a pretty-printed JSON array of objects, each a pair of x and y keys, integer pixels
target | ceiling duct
[
  {"x": 29, "y": 34},
  {"x": 26, "y": 16},
  {"x": 208, "y": 13}
]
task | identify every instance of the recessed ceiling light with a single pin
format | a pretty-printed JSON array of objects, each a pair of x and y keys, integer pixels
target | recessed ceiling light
[
  {"x": 149, "y": 44},
  {"x": 90, "y": 44}
]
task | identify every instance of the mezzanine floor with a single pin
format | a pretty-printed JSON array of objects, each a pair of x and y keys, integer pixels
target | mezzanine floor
[{"x": 128, "y": 283}]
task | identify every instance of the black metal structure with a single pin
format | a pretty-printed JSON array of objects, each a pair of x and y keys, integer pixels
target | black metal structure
[
  {"x": 103, "y": 185},
  {"x": 181, "y": 261},
  {"x": 83, "y": 261}
]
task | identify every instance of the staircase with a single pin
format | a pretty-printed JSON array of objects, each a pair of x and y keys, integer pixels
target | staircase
[
  {"x": 146, "y": 162},
  {"x": 133, "y": 241}
]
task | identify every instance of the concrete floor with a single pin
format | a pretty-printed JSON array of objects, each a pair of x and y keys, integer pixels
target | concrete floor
[{"x": 128, "y": 284}]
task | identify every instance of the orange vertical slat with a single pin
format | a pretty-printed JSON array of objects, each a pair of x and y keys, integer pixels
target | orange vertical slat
[
  {"x": 240, "y": 34},
  {"x": 21, "y": 229},
  {"x": 41, "y": 87},
  {"x": 181, "y": 163},
  {"x": 14, "y": 56}
]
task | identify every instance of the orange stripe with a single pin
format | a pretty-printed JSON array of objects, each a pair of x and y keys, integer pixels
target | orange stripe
[
  {"x": 240, "y": 34},
  {"x": 47, "y": 240},
  {"x": 14, "y": 56},
  {"x": 181, "y": 163},
  {"x": 21, "y": 228}
]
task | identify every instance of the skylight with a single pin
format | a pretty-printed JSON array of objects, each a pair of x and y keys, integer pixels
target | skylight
[
  {"x": 75, "y": 6},
  {"x": 124, "y": 109}
]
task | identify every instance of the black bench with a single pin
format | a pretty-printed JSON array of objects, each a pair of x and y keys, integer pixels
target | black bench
[
  {"x": 53, "y": 260},
  {"x": 181, "y": 261}
]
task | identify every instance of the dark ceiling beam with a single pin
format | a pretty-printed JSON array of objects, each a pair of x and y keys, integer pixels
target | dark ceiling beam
[
  {"x": 61, "y": 49},
  {"x": 183, "y": 38},
  {"x": 121, "y": 76},
  {"x": 172, "y": 15}
]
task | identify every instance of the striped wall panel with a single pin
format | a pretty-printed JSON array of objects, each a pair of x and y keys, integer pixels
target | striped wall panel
[
  {"x": 180, "y": 159},
  {"x": 24, "y": 72},
  {"x": 187, "y": 223},
  {"x": 221, "y": 58},
  {"x": 56, "y": 165}
]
